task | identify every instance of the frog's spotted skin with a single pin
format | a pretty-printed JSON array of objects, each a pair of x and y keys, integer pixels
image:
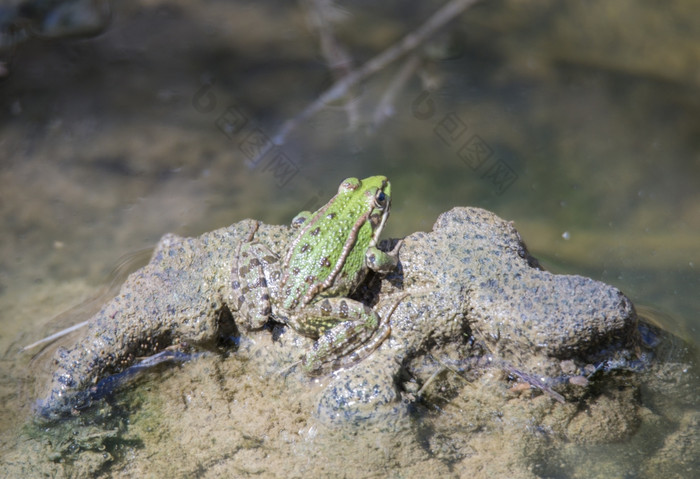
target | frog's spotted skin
[{"x": 327, "y": 259}]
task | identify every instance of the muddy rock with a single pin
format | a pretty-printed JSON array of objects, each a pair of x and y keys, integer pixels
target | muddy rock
[{"x": 466, "y": 294}]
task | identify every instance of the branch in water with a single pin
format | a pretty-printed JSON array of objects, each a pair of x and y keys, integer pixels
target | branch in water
[{"x": 340, "y": 88}]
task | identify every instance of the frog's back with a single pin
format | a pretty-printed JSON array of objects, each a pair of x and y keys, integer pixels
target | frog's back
[{"x": 328, "y": 245}]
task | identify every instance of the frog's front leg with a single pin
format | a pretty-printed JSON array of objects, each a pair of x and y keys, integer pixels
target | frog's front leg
[
  {"x": 347, "y": 331},
  {"x": 381, "y": 262},
  {"x": 255, "y": 271}
]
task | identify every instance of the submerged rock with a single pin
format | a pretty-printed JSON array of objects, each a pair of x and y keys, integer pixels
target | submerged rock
[{"x": 466, "y": 295}]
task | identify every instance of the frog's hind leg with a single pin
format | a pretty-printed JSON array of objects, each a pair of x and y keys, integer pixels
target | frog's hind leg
[
  {"x": 251, "y": 295},
  {"x": 351, "y": 332}
]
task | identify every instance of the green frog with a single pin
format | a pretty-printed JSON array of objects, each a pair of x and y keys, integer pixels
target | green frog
[{"x": 326, "y": 260}]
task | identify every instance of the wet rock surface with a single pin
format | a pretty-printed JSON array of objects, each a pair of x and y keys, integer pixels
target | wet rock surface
[
  {"x": 467, "y": 294},
  {"x": 493, "y": 366}
]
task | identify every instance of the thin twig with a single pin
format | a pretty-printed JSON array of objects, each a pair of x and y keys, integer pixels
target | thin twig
[
  {"x": 532, "y": 381},
  {"x": 322, "y": 14},
  {"x": 385, "y": 108},
  {"x": 340, "y": 88},
  {"x": 126, "y": 264},
  {"x": 528, "y": 378},
  {"x": 443, "y": 367},
  {"x": 54, "y": 336},
  {"x": 430, "y": 380}
]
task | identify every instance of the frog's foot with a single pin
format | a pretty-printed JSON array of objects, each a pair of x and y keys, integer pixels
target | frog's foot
[
  {"x": 352, "y": 331},
  {"x": 381, "y": 262}
]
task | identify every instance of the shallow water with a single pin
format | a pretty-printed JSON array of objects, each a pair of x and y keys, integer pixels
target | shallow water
[{"x": 576, "y": 120}]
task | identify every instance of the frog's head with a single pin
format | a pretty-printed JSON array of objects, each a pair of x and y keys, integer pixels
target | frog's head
[{"x": 375, "y": 195}]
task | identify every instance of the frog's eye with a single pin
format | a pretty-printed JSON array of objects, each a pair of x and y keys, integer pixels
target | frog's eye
[{"x": 380, "y": 200}]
